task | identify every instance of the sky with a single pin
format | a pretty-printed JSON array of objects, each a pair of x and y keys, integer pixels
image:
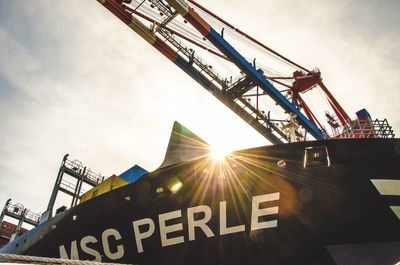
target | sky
[{"x": 74, "y": 79}]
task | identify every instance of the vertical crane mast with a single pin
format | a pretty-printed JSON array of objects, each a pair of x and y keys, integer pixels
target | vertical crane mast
[{"x": 231, "y": 93}]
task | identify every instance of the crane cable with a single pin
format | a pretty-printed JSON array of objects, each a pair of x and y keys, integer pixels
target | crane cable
[
  {"x": 182, "y": 31},
  {"x": 180, "y": 34},
  {"x": 243, "y": 41},
  {"x": 187, "y": 33},
  {"x": 247, "y": 36}
]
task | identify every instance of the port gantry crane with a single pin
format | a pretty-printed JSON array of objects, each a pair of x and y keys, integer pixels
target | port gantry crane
[{"x": 179, "y": 32}]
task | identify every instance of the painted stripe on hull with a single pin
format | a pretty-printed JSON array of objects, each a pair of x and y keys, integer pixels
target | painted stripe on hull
[
  {"x": 396, "y": 210},
  {"x": 390, "y": 190},
  {"x": 387, "y": 186}
]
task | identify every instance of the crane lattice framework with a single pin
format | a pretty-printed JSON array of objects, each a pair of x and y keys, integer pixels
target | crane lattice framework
[{"x": 181, "y": 34}]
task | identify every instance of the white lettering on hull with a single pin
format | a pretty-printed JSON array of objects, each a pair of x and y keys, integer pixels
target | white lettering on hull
[
  {"x": 223, "y": 229},
  {"x": 139, "y": 236},
  {"x": 84, "y": 246},
  {"x": 166, "y": 229},
  {"x": 172, "y": 223},
  {"x": 105, "y": 239},
  {"x": 256, "y": 212},
  {"x": 90, "y": 251},
  {"x": 201, "y": 223},
  {"x": 74, "y": 251}
]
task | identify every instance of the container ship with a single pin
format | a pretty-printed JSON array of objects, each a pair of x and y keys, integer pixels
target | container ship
[{"x": 324, "y": 192}]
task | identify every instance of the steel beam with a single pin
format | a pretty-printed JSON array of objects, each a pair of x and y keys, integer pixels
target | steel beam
[{"x": 215, "y": 38}]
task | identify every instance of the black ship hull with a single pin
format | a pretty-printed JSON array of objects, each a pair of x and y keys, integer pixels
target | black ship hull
[{"x": 319, "y": 202}]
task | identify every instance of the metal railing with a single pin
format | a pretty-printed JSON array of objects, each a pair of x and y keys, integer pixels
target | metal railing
[
  {"x": 367, "y": 129},
  {"x": 79, "y": 168},
  {"x": 19, "y": 211},
  {"x": 94, "y": 176}
]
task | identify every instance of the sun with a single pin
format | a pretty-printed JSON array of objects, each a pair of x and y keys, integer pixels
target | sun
[{"x": 219, "y": 153}]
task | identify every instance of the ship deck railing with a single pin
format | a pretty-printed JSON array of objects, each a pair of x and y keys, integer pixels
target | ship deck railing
[{"x": 367, "y": 128}]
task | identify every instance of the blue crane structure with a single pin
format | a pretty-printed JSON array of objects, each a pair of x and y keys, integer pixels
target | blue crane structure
[{"x": 178, "y": 30}]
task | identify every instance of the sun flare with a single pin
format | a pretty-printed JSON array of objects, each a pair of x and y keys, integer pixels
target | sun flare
[{"x": 218, "y": 153}]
